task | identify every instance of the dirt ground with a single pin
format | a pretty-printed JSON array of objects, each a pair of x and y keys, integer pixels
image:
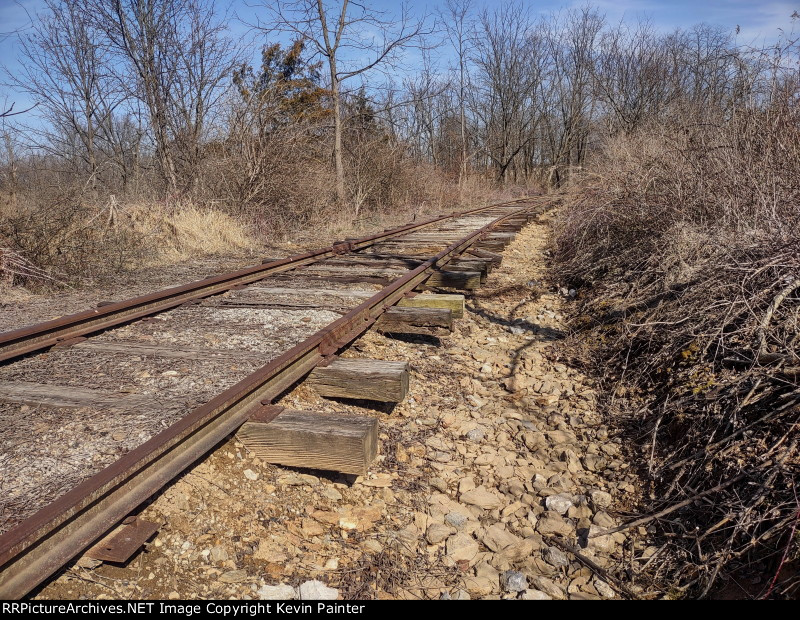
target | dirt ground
[{"x": 494, "y": 461}]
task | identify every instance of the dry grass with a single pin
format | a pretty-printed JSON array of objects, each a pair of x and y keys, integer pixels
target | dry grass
[
  {"x": 684, "y": 245},
  {"x": 69, "y": 241},
  {"x": 187, "y": 231}
]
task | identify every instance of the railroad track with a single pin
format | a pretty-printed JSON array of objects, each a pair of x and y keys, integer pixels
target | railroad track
[{"x": 103, "y": 408}]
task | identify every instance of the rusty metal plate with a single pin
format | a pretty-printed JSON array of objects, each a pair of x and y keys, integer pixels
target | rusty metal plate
[
  {"x": 120, "y": 547},
  {"x": 266, "y": 413}
]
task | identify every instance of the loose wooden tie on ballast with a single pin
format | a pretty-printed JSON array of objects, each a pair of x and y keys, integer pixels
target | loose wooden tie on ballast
[
  {"x": 454, "y": 303},
  {"x": 312, "y": 440},
  {"x": 365, "y": 379},
  {"x": 411, "y": 320}
]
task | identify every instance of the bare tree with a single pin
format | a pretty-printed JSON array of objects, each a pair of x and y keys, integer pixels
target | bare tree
[
  {"x": 632, "y": 76},
  {"x": 344, "y": 33},
  {"x": 571, "y": 41},
  {"x": 424, "y": 108},
  {"x": 456, "y": 19},
  {"x": 66, "y": 69},
  {"x": 10, "y": 169},
  {"x": 509, "y": 67},
  {"x": 204, "y": 65},
  {"x": 7, "y": 109},
  {"x": 177, "y": 60}
]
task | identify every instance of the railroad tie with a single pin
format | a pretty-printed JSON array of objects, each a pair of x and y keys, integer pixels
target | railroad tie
[
  {"x": 454, "y": 303},
  {"x": 363, "y": 379},
  {"x": 480, "y": 266},
  {"x": 312, "y": 440},
  {"x": 428, "y": 321},
  {"x": 459, "y": 280},
  {"x": 495, "y": 258}
]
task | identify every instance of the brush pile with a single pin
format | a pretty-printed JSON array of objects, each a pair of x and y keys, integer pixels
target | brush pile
[{"x": 685, "y": 252}]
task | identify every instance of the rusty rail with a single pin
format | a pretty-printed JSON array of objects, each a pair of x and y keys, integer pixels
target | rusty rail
[
  {"x": 26, "y": 340},
  {"x": 42, "y": 544}
]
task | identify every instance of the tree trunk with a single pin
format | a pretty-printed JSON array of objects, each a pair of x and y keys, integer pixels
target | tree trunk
[
  {"x": 12, "y": 166},
  {"x": 337, "y": 139}
]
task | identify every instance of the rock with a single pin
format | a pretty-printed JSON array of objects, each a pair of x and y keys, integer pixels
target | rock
[
  {"x": 552, "y": 523},
  {"x": 466, "y": 485},
  {"x": 600, "y": 499},
  {"x": 348, "y": 523},
  {"x": 311, "y": 528},
  {"x": 549, "y": 587},
  {"x": 437, "y": 533},
  {"x": 456, "y": 519},
  {"x": 480, "y": 586},
  {"x": 559, "y": 503},
  {"x": 234, "y": 576},
  {"x": 535, "y": 595},
  {"x": 513, "y": 581},
  {"x": 497, "y": 538},
  {"x": 555, "y": 557},
  {"x": 372, "y": 545},
  {"x": 250, "y": 474},
  {"x": 317, "y": 591},
  {"x": 482, "y": 498},
  {"x": 439, "y": 484},
  {"x": 88, "y": 563},
  {"x": 603, "y": 519},
  {"x": 476, "y": 434},
  {"x": 281, "y": 592},
  {"x": 462, "y": 547},
  {"x": 331, "y": 493},
  {"x": 218, "y": 554},
  {"x": 296, "y": 480},
  {"x": 605, "y": 544},
  {"x": 603, "y": 589}
]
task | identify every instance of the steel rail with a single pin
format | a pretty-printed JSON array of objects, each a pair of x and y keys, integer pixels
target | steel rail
[
  {"x": 33, "y": 338},
  {"x": 42, "y": 544}
]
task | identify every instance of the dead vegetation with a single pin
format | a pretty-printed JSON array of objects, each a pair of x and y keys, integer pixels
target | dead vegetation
[
  {"x": 66, "y": 239},
  {"x": 685, "y": 250}
]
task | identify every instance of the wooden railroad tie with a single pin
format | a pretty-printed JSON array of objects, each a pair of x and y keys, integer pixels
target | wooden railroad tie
[
  {"x": 462, "y": 280},
  {"x": 480, "y": 266},
  {"x": 454, "y": 303},
  {"x": 411, "y": 320},
  {"x": 346, "y": 444},
  {"x": 496, "y": 242},
  {"x": 366, "y": 379},
  {"x": 72, "y": 397},
  {"x": 496, "y": 259}
]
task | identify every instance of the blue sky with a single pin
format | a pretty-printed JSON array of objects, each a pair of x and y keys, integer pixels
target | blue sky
[{"x": 759, "y": 21}]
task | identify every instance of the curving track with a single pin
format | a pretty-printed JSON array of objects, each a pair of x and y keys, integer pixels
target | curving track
[{"x": 93, "y": 427}]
